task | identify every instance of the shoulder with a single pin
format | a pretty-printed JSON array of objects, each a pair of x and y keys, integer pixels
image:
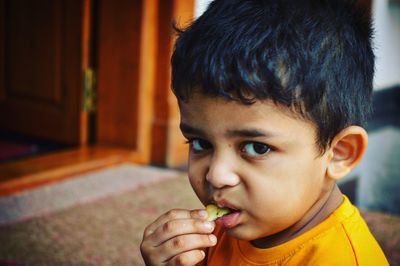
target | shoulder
[
  {"x": 348, "y": 242},
  {"x": 364, "y": 245}
]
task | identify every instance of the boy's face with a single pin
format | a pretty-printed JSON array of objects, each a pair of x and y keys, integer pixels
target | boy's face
[{"x": 257, "y": 159}]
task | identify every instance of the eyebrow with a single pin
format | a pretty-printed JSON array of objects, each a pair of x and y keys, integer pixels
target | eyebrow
[
  {"x": 250, "y": 133},
  {"x": 185, "y": 128}
]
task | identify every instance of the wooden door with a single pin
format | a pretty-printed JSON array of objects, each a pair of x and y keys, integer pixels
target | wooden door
[
  {"x": 119, "y": 32},
  {"x": 41, "y": 59},
  {"x": 135, "y": 106}
]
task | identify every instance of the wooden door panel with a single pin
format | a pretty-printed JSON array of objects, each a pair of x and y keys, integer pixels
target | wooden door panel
[
  {"x": 26, "y": 53},
  {"x": 118, "y": 58},
  {"x": 41, "y": 68}
]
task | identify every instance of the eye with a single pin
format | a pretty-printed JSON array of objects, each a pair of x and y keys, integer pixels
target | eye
[
  {"x": 199, "y": 145},
  {"x": 255, "y": 149}
]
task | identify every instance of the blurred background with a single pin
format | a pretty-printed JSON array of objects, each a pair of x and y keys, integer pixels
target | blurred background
[{"x": 90, "y": 148}]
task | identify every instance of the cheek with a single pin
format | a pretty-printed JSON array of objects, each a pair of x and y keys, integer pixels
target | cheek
[
  {"x": 198, "y": 185},
  {"x": 196, "y": 182},
  {"x": 284, "y": 184}
]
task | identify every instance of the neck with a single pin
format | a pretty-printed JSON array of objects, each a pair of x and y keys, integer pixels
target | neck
[{"x": 327, "y": 203}]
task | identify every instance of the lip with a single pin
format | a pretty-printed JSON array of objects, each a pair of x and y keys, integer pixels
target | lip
[
  {"x": 226, "y": 204},
  {"x": 230, "y": 220}
]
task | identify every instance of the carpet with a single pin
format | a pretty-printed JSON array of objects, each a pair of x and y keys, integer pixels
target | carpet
[
  {"x": 107, "y": 230},
  {"x": 104, "y": 230},
  {"x": 78, "y": 190}
]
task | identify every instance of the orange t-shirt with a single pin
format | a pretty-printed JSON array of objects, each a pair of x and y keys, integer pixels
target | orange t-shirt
[{"x": 342, "y": 239}]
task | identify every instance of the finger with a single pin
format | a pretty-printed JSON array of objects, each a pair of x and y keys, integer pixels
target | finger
[
  {"x": 185, "y": 243},
  {"x": 173, "y": 215},
  {"x": 175, "y": 228},
  {"x": 191, "y": 257}
]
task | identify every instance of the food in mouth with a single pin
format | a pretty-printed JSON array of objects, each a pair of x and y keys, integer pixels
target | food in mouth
[{"x": 215, "y": 212}]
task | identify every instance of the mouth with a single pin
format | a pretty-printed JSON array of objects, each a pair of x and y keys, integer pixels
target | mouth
[
  {"x": 225, "y": 216},
  {"x": 230, "y": 220},
  {"x": 215, "y": 212}
]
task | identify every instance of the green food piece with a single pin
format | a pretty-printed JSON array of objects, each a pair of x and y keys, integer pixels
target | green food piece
[{"x": 214, "y": 212}]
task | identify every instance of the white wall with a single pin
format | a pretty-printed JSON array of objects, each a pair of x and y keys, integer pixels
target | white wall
[
  {"x": 386, "y": 16},
  {"x": 200, "y": 6}
]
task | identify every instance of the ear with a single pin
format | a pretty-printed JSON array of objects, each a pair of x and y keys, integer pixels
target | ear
[{"x": 346, "y": 151}]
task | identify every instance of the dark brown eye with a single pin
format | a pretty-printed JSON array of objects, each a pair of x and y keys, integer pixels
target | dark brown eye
[
  {"x": 255, "y": 149},
  {"x": 199, "y": 145}
]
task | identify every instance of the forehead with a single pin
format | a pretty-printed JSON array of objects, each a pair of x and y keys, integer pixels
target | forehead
[
  {"x": 218, "y": 114},
  {"x": 207, "y": 108}
]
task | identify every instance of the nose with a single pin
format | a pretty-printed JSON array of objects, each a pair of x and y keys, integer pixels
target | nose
[{"x": 221, "y": 172}]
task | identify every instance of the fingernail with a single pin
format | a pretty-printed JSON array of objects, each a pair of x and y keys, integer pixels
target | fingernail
[
  {"x": 203, "y": 213},
  {"x": 213, "y": 239},
  {"x": 203, "y": 254},
  {"x": 208, "y": 225}
]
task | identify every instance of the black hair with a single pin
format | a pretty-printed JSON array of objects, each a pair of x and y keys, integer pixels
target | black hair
[{"x": 314, "y": 56}]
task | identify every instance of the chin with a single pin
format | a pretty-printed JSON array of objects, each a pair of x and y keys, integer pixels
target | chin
[{"x": 241, "y": 232}]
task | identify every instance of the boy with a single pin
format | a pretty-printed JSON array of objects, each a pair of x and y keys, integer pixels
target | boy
[{"x": 272, "y": 97}]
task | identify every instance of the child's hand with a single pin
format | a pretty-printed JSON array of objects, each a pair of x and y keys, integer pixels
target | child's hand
[{"x": 177, "y": 237}]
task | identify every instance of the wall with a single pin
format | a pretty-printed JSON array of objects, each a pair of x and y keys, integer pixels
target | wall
[
  {"x": 386, "y": 14},
  {"x": 200, "y": 7}
]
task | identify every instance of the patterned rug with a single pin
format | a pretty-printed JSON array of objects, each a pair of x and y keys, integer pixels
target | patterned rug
[
  {"x": 97, "y": 228},
  {"x": 78, "y": 190}
]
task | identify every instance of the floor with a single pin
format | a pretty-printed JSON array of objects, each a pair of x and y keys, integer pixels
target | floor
[
  {"x": 76, "y": 190},
  {"x": 95, "y": 229}
]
